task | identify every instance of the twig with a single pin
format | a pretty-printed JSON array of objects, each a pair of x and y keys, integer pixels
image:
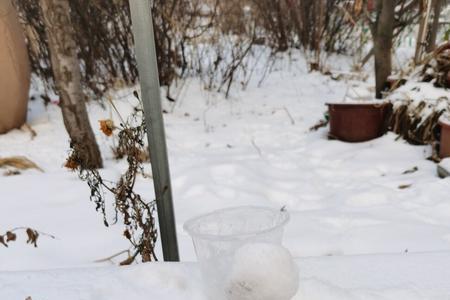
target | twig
[
  {"x": 109, "y": 258},
  {"x": 320, "y": 124},
  {"x": 115, "y": 108},
  {"x": 40, "y": 232},
  {"x": 267, "y": 68},
  {"x": 289, "y": 115},
  {"x": 205, "y": 123},
  {"x": 27, "y": 127},
  {"x": 256, "y": 147}
]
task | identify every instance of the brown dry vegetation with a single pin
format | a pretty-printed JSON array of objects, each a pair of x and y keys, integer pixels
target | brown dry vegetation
[{"x": 103, "y": 33}]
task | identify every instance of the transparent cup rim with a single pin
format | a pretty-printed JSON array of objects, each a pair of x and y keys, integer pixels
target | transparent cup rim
[{"x": 188, "y": 225}]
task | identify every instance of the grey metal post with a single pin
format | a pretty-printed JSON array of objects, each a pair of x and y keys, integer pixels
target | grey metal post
[{"x": 151, "y": 99}]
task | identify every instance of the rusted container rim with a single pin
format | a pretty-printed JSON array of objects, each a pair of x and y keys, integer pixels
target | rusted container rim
[
  {"x": 355, "y": 105},
  {"x": 444, "y": 123}
]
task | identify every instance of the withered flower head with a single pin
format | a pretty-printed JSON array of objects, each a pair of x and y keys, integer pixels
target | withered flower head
[{"x": 107, "y": 126}]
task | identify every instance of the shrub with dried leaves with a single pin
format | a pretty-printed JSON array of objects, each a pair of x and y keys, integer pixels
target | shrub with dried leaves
[{"x": 132, "y": 209}]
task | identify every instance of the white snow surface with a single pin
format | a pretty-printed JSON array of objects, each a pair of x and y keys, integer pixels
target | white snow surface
[
  {"x": 354, "y": 233},
  {"x": 362, "y": 277}
]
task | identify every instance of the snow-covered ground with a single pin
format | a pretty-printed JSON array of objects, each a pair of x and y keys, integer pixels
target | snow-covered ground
[
  {"x": 360, "y": 228},
  {"x": 362, "y": 277}
]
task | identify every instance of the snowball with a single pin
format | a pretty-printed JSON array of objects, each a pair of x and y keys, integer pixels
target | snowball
[{"x": 262, "y": 271}]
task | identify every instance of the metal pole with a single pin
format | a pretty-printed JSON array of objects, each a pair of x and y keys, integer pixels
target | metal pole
[{"x": 151, "y": 99}]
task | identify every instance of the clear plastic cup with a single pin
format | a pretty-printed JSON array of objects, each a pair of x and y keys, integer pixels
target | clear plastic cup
[{"x": 219, "y": 234}]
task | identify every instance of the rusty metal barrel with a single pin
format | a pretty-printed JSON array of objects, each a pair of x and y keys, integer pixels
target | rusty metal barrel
[{"x": 358, "y": 122}]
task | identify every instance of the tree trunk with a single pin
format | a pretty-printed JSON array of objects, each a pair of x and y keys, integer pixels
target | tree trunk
[
  {"x": 318, "y": 27},
  {"x": 67, "y": 74},
  {"x": 437, "y": 5},
  {"x": 293, "y": 9},
  {"x": 282, "y": 38},
  {"x": 383, "y": 35}
]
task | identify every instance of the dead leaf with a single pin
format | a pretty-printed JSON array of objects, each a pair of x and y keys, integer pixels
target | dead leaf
[
  {"x": 127, "y": 234},
  {"x": 2, "y": 241},
  {"x": 71, "y": 163},
  {"x": 404, "y": 186},
  {"x": 10, "y": 236},
  {"x": 107, "y": 126},
  {"x": 32, "y": 236}
]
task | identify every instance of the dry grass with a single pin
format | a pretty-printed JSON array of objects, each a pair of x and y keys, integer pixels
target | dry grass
[
  {"x": 19, "y": 163},
  {"x": 411, "y": 125}
]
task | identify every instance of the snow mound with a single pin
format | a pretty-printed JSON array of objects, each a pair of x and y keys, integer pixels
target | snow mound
[
  {"x": 422, "y": 97},
  {"x": 262, "y": 271},
  {"x": 445, "y": 163}
]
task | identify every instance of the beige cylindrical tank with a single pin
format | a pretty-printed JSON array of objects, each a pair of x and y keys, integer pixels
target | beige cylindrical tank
[{"x": 14, "y": 70}]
